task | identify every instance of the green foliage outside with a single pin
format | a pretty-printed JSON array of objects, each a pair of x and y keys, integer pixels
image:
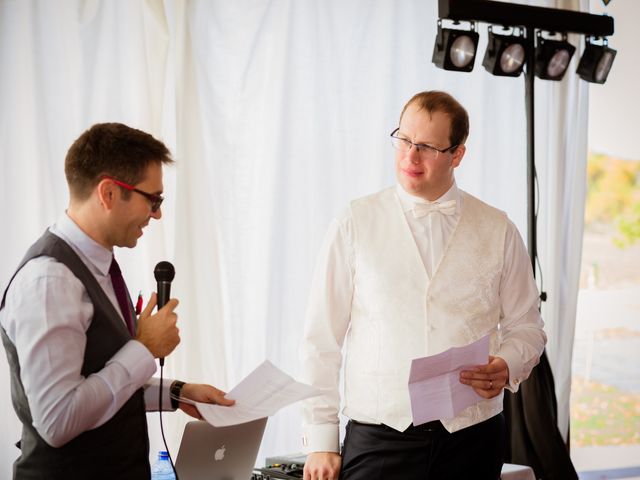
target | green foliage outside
[
  {"x": 603, "y": 415},
  {"x": 613, "y": 196}
]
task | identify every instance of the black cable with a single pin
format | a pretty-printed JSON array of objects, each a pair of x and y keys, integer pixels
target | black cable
[
  {"x": 164, "y": 440},
  {"x": 543, "y": 294}
]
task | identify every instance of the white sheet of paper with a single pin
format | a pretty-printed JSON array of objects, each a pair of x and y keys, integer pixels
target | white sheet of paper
[
  {"x": 434, "y": 382},
  {"x": 262, "y": 393}
]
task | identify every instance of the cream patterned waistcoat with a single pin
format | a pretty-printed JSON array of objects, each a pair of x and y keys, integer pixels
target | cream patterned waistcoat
[{"x": 399, "y": 313}]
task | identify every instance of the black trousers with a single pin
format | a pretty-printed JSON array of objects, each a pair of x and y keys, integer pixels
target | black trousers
[{"x": 426, "y": 452}]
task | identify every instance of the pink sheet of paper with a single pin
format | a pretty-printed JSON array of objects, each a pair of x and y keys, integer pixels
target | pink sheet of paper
[{"x": 434, "y": 382}]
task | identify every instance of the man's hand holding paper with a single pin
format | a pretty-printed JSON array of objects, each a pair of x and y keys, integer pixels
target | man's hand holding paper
[
  {"x": 261, "y": 394},
  {"x": 487, "y": 380}
]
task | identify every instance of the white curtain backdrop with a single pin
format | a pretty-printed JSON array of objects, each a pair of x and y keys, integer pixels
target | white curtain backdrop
[
  {"x": 277, "y": 112},
  {"x": 561, "y": 165}
]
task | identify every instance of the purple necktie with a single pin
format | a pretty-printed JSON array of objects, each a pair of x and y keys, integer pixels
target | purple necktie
[{"x": 121, "y": 294}]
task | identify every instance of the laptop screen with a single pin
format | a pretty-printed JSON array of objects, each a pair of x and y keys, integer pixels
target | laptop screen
[{"x": 219, "y": 453}]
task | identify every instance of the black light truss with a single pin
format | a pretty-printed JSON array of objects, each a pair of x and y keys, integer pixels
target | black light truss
[{"x": 542, "y": 18}]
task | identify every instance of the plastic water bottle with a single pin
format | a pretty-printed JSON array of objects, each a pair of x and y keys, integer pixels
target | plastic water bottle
[{"x": 161, "y": 469}]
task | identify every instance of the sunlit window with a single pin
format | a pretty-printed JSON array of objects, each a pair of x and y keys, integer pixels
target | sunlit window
[{"x": 605, "y": 402}]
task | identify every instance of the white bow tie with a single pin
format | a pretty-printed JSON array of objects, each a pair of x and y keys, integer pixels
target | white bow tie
[{"x": 421, "y": 209}]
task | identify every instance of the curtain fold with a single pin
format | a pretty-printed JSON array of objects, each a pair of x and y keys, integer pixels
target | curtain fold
[
  {"x": 562, "y": 168},
  {"x": 538, "y": 415},
  {"x": 278, "y": 113}
]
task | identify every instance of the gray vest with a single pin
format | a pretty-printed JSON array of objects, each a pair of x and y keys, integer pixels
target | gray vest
[{"x": 117, "y": 449}]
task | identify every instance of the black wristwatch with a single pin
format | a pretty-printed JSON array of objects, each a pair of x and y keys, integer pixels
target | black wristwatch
[{"x": 175, "y": 390}]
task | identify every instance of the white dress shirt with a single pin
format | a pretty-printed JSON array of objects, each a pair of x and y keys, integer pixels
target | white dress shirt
[
  {"x": 47, "y": 313},
  {"x": 331, "y": 296},
  {"x": 431, "y": 232}
]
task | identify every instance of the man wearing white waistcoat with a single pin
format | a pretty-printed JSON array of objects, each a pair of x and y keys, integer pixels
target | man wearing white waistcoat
[{"x": 404, "y": 273}]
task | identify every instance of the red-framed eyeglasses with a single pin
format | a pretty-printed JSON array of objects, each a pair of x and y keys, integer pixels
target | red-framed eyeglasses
[{"x": 154, "y": 200}]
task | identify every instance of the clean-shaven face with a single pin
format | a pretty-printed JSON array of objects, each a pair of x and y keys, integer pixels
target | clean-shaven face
[
  {"x": 134, "y": 214},
  {"x": 428, "y": 179}
]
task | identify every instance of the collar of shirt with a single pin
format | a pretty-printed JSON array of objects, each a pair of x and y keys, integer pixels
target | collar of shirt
[
  {"x": 408, "y": 201},
  {"x": 94, "y": 254}
]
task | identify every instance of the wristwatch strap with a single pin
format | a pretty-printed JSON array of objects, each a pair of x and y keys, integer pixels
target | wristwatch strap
[{"x": 175, "y": 390}]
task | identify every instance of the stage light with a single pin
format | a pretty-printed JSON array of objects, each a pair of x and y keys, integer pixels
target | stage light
[
  {"x": 455, "y": 49},
  {"x": 505, "y": 54},
  {"x": 596, "y": 62},
  {"x": 553, "y": 57}
]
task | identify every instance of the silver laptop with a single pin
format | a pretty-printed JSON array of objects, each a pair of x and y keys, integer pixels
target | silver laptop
[{"x": 219, "y": 453}]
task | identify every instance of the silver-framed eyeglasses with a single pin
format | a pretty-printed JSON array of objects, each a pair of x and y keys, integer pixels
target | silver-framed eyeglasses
[{"x": 426, "y": 152}]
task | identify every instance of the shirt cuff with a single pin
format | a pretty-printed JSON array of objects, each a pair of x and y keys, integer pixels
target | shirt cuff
[
  {"x": 152, "y": 393},
  {"x": 321, "y": 438},
  {"x": 511, "y": 355}
]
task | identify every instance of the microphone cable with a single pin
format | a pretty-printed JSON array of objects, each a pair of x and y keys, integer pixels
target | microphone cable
[{"x": 164, "y": 440}]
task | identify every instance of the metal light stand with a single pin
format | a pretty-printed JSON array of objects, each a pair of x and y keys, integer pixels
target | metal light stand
[{"x": 531, "y": 413}]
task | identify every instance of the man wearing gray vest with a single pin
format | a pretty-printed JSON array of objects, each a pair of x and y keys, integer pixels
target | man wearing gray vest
[
  {"x": 80, "y": 366},
  {"x": 404, "y": 273}
]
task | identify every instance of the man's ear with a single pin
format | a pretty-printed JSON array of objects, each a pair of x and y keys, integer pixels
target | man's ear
[
  {"x": 106, "y": 191},
  {"x": 458, "y": 153}
]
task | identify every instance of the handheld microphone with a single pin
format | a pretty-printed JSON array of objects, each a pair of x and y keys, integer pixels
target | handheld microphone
[{"x": 164, "y": 273}]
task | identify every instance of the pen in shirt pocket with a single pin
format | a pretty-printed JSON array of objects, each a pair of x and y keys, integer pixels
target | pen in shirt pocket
[{"x": 139, "y": 304}]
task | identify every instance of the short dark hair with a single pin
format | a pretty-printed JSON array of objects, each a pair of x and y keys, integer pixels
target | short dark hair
[
  {"x": 436, "y": 101},
  {"x": 111, "y": 149}
]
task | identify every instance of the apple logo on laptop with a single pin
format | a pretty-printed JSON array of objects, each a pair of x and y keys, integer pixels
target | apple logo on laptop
[{"x": 219, "y": 455}]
